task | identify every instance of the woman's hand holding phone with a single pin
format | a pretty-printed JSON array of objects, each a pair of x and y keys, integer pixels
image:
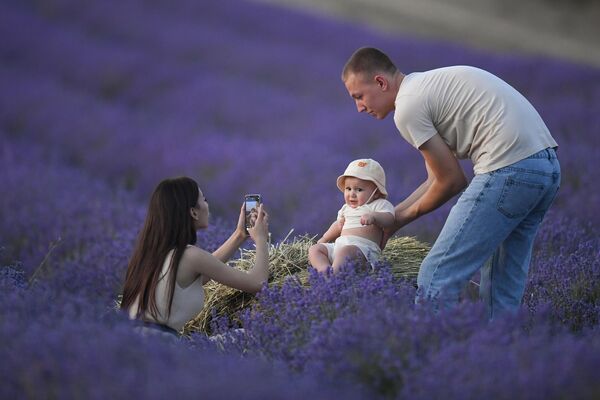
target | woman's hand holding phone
[
  {"x": 241, "y": 225},
  {"x": 260, "y": 231}
]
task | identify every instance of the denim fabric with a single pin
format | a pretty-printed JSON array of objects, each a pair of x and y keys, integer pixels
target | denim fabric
[{"x": 492, "y": 227}]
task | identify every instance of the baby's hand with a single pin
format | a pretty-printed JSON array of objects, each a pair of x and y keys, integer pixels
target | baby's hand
[{"x": 368, "y": 219}]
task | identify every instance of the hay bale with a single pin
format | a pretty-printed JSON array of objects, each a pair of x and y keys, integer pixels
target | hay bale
[
  {"x": 290, "y": 259},
  {"x": 404, "y": 255}
]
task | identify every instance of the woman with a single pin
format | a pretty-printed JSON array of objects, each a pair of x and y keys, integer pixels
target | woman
[{"x": 163, "y": 285}]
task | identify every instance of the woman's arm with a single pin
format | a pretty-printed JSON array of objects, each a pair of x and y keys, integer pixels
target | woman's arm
[
  {"x": 209, "y": 266},
  {"x": 239, "y": 236}
]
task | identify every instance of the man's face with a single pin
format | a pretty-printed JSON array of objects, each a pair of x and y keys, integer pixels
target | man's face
[{"x": 370, "y": 94}]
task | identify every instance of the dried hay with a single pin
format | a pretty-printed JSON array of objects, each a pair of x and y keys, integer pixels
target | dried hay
[{"x": 290, "y": 259}]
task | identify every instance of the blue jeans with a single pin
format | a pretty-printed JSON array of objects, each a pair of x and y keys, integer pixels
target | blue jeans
[{"x": 492, "y": 228}]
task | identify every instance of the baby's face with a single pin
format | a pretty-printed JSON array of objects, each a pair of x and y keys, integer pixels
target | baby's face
[{"x": 357, "y": 191}]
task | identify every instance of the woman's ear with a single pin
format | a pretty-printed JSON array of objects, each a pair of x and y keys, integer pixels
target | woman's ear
[{"x": 194, "y": 213}]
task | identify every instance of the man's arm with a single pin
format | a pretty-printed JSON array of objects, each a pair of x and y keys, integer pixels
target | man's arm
[
  {"x": 417, "y": 194},
  {"x": 445, "y": 179},
  {"x": 380, "y": 218}
]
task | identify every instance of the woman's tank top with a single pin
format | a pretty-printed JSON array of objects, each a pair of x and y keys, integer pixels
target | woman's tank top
[{"x": 187, "y": 302}]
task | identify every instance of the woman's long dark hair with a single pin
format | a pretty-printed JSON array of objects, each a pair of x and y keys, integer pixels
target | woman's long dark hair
[{"x": 168, "y": 226}]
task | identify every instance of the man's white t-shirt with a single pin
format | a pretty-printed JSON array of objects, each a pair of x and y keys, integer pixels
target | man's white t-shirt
[{"x": 477, "y": 114}]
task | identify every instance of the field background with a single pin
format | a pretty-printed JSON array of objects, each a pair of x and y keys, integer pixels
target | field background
[
  {"x": 102, "y": 100},
  {"x": 565, "y": 29}
]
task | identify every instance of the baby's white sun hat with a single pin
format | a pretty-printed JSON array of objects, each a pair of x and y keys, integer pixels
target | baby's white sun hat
[{"x": 367, "y": 169}]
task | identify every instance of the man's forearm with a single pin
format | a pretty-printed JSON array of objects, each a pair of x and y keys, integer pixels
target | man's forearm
[
  {"x": 414, "y": 196},
  {"x": 435, "y": 196},
  {"x": 384, "y": 219}
]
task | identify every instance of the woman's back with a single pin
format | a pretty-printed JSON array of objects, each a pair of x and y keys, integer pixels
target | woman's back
[{"x": 187, "y": 301}]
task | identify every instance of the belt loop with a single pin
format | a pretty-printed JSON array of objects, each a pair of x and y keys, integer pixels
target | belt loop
[{"x": 548, "y": 153}]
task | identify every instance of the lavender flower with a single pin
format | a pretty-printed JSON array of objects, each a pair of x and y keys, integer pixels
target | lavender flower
[{"x": 102, "y": 101}]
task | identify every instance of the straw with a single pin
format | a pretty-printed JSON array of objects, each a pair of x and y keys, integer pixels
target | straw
[{"x": 290, "y": 260}]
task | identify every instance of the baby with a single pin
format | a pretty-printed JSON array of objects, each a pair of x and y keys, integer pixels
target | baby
[{"x": 358, "y": 229}]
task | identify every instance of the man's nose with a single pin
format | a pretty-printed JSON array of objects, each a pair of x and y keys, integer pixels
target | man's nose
[{"x": 360, "y": 107}]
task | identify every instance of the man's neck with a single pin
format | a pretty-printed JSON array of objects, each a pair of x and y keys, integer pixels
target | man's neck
[{"x": 397, "y": 80}]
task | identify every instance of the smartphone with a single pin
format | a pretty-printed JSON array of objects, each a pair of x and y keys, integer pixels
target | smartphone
[{"x": 251, "y": 203}]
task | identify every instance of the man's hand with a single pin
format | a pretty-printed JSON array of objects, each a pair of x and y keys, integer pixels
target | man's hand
[{"x": 368, "y": 219}]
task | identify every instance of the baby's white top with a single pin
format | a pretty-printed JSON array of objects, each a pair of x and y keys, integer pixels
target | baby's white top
[{"x": 352, "y": 215}]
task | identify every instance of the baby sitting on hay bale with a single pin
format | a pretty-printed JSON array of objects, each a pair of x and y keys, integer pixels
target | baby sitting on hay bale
[{"x": 357, "y": 232}]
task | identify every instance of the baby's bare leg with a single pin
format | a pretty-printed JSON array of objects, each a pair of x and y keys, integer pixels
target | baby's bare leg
[
  {"x": 318, "y": 257},
  {"x": 348, "y": 253}
]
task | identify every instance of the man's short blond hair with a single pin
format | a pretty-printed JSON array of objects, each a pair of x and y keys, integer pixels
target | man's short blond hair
[{"x": 368, "y": 60}]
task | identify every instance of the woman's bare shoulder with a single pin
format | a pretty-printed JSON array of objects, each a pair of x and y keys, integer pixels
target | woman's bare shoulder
[
  {"x": 194, "y": 262},
  {"x": 194, "y": 254}
]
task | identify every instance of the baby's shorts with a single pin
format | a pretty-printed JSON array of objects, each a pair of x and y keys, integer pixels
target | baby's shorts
[{"x": 370, "y": 249}]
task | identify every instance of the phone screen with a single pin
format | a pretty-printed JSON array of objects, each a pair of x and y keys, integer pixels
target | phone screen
[{"x": 251, "y": 209}]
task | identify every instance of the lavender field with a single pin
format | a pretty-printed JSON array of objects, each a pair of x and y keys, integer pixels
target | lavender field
[{"x": 99, "y": 101}]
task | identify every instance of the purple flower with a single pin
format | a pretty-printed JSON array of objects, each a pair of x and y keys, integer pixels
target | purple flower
[{"x": 100, "y": 102}]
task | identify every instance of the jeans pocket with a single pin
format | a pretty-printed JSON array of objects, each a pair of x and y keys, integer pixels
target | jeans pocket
[{"x": 518, "y": 198}]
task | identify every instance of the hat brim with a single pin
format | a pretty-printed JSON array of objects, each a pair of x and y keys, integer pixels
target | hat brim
[{"x": 380, "y": 187}]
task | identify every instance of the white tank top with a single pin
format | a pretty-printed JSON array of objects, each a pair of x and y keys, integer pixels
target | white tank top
[{"x": 187, "y": 302}]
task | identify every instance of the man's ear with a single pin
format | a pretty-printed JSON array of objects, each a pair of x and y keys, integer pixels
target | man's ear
[{"x": 381, "y": 81}]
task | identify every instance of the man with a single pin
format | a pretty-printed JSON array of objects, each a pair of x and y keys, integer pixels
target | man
[{"x": 463, "y": 112}]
